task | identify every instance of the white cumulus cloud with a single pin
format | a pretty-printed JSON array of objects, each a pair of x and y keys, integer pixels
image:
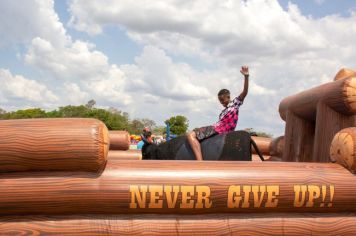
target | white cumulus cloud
[
  {"x": 18, "y": 87},
  {"x": 287, "y": 52}
]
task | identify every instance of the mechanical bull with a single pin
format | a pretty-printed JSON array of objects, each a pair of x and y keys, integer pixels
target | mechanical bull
[{"x": 233, "y": 146}]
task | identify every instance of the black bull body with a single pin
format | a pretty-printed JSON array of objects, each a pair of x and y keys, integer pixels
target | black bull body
[{"x": 233, "y": 146}]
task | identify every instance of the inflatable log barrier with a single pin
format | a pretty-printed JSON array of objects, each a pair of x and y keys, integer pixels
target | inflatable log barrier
[
  {"x": 314, "y": 116},
  {"x": 119, "y": 140},
  {"x": 277, "y": 147},
  {"x": 184, "y": 187},
  {"x": 136, "y": 155},
  {"x": 344, "y": 73},
  {"x": 53, "y": 144},
  {"x": 263, "y": 144},
  {"x": 338, "y": 95},
  {"x": 232, "y": 146},
  {"x": 343, "y": 148},
  {"x": 125, "y": 155},
  {"x": 211, "y": 224}
]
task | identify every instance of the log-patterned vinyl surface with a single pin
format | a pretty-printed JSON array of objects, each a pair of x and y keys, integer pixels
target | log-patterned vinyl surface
[
  {"x": 263, "y": 144},
  {"x": 277, "y": 147},
  {"x": 299, "y": 139},
  {"x": 119, "y": 140},
  {"x": 344, "y": 73},
  {"x": 213, "y": 224},
  {"x": 53, "y": 144},
  {"x": 137, "y": 155},
  {"x": 339, "y": 95},
  {"x": 125, "y": 155},
  {"x": 327, "y": 188},
  {"x": 328, "y": 123},
  {"x": 256, "y": 157},
  {"x": 343, "y": 148}
]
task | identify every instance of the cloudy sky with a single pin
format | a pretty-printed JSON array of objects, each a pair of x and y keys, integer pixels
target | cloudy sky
[{"x": 156, "y": 59}]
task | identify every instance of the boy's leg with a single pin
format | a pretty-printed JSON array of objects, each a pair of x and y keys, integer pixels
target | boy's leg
[
  {"x": 198, "y": 135},
  {"x": 195, "y": 145}
]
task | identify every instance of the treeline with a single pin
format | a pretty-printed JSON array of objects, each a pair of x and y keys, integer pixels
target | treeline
[{"x": 113, "y": 118}]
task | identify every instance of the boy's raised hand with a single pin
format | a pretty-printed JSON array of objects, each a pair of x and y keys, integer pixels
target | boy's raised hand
[{"x": 244, "y": 70}]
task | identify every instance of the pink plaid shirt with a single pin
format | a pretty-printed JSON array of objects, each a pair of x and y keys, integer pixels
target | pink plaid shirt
[{"x": 228, "y": 117}]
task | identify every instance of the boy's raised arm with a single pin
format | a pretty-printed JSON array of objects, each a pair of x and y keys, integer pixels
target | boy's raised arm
[{"x": 244, "y": 71}]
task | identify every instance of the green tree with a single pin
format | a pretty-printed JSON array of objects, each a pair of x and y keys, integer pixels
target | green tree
[
  {"x": 136, "y": 126},
  {"x": 114, "y": 121},
  {"x": 114, "y": 110},
  {"x": 53, "y": 114},
  {"x": 73, "y": 111},
  {"x": 178, "y": 124},
  {"x": 25, "y": 114},
  {"x": 113, "y": 118},
  {"x": 148, "y": 123},
  {"x": 159, "y": 130},
  {"x": 258, "y": 133},
  {"x": 90, "y": 104},
  {"x": 264, "y": 134}
]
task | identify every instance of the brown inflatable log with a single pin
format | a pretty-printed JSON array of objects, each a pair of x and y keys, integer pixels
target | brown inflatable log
[
  {"x": 273, "y": 158},
  {"x": 213, "y": 224},
  {"x": 339, "y": 95},
  {"x": 125, "y": 155},
  {"x": 256, "y": 157},
  {"x": 343, "y": 148},
  {"x": 53, "y": 144},
  {"x": 182, "y": 187},
  {"x": 137, "y": 155},
  {"x": 119, "y": 140},
  {"x": 299, "y": 139},
  {"x": 263, "y": 144},
  {"x": 344, "y": 73},
  {"x": 277, "y": 147},
  {"x": 314, "y": 116}
]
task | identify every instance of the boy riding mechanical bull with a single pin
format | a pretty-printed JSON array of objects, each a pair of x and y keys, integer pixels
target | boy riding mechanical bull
[
  {"x": 227, "y": 120},
  {"x": 215, "y": 142}
]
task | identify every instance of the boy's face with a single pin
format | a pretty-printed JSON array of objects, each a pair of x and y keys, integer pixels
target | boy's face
[{"x": 224, "y": 99}]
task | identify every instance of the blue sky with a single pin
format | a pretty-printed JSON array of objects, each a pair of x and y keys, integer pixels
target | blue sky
[
  {"x": 321, "y": 8},
  {"x": 116, "y": 44},
  {"x": 168, "y": 58}
]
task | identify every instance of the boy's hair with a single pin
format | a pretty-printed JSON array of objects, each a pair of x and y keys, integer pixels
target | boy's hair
[
  {"x": 147, "y": 134},
  {"x": 224, "y": 92}
]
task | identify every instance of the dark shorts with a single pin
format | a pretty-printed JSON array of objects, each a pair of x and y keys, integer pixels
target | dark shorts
[{"x": 205, "y": 132}]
